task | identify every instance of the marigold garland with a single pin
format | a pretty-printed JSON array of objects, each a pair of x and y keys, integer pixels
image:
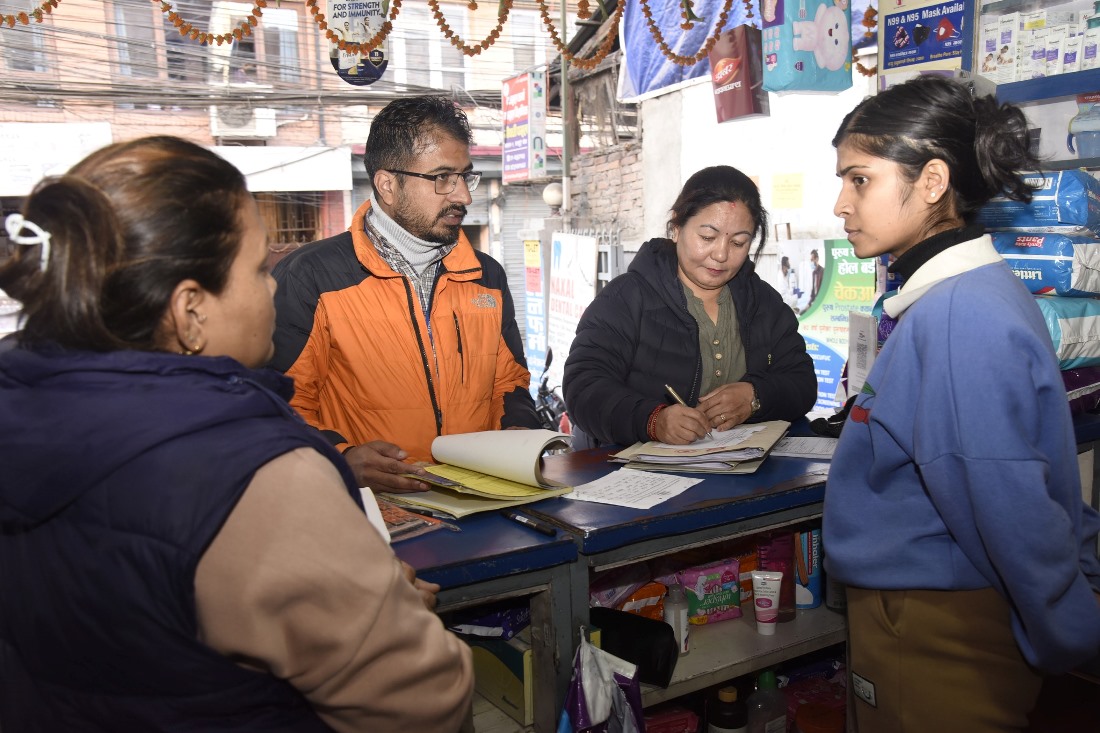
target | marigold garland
[
  {"x": 672, "y": 55},
  {"x": 244, "y": 28},
  {"x": 188, "y": 30},
  {"x": 456, "y": 40},
  {"x": 604, "y": 48}
]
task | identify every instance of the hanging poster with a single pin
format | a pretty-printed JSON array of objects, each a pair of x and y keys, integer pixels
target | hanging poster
[
  {"x": 357, "y": 21},
  {"x": 822, "y": 281},
  {"x": 931, "y": 34}
]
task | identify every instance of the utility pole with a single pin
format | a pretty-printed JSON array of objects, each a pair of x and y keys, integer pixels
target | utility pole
[{"x": 566, "y": 108}]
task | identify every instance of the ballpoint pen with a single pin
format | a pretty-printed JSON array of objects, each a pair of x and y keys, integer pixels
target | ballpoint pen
[
  {"x": 534, "y": 524},
  {"x": 680, "y": 399}
]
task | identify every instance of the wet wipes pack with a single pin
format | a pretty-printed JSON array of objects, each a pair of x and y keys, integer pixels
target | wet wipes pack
[
  {"x": 1065, "y": 200},
  {"x": 1052, "y": 264}
]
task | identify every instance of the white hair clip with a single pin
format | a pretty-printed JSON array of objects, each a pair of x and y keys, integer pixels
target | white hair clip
[{"x": 15, "y": 223}]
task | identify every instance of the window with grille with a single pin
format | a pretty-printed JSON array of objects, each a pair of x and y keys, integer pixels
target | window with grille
[
  {"x": 186, "y": 60},
  {"x": 23, "y": 48},
  {"x": 134, "y": 41},
  {"x": 422, "y": 56},
  {"x": 292, "y": 219},
  {"x": 280, "y": 39}
]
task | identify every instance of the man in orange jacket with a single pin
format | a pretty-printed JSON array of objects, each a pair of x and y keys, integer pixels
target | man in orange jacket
[{"x": 398, "y": 330}]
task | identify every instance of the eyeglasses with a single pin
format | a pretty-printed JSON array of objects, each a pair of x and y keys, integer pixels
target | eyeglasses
[{"x": 445, "y": 183}]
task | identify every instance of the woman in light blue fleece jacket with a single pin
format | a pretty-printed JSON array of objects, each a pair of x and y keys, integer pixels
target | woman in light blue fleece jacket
[{"x": 953, "y": 509}]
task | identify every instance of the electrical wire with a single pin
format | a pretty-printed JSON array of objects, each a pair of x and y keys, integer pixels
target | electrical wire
[{"x": 104, "y": 53}]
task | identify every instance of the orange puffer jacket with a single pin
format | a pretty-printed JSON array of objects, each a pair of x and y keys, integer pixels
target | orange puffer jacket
[{"x": 352, "y": 334}]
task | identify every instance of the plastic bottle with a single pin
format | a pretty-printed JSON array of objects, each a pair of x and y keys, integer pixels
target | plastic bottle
[
  {"x": 767, "y": 706},
  {"x": 676, "y": 616},
  {"x": 727, "y": 714},
  {"x": 776, "y": 553}
]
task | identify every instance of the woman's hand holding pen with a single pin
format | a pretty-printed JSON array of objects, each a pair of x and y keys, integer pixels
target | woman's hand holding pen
[
  {"x": 728, "y": 406},
  {"x": 680, "y": 425}
]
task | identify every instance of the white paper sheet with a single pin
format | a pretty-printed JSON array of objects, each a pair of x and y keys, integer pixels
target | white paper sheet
[{"x": 630, "y": 488}]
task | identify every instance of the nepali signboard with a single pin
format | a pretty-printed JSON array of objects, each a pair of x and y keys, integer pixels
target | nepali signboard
[{"x": 523, "y": 103}]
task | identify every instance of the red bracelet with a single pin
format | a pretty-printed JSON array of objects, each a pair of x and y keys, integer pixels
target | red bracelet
[{"x": 651, "y": 426}]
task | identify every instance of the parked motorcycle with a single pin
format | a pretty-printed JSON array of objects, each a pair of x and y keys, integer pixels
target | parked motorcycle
[{"x": 549, "y": 404}]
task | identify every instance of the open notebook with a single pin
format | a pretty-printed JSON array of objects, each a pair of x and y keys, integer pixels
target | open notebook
[{"x": 485, "y": 471}]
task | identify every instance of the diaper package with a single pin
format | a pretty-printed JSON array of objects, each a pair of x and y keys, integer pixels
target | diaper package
[
  {"x": 1074, "y": 325},
  {"x": 807, "y": 45},
  {"x": 1051, "y": 263},
  {"x": 1067, "y": 200}
]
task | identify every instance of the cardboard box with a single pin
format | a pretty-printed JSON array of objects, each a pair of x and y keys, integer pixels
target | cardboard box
[{"x": 502, "y": 674}]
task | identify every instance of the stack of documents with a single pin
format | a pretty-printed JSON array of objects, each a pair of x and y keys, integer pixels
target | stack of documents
[{"x": 740, "y": 450}]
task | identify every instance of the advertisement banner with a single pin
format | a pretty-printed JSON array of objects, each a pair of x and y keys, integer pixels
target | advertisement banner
[
  {"x": 737, "y": 75},
  {"x": 535, "y": 348},
  {"x": 523, "y": 100},
  {"x": 357, "y": 21},
  {"x": 822, "y": 281},
  {"x": 572, "y": 288},
  {"x": 918, "y": 36}
]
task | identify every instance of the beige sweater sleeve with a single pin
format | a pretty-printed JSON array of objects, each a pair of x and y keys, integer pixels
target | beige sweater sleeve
[{"x": 299, "y": 584}]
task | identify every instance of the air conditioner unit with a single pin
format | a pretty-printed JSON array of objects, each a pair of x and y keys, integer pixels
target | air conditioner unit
[{"x": 234, "y": 120}]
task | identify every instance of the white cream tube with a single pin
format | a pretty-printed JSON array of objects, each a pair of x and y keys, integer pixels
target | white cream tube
[{"x": 765, "y": 599}]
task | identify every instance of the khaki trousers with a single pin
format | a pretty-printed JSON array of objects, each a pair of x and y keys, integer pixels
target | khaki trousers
[{"x": 936, "y": 662}]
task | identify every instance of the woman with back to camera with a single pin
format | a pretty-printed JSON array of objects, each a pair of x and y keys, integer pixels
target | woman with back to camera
[
  {"x": 180, "y": 552},
  {"x": 690, "y": 313},
  {"x": 953, "y": 508}
]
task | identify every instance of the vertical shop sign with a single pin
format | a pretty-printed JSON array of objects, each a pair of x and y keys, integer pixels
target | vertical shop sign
[
  {"x": 572, "y": 288},
  {"x": 523, "y": 104},
  {"x": 535, "y": 348},
  {"x": 922, "y": 35},
  {"x": 823, "y": 280},
  {"x": 357, "y": 21}
]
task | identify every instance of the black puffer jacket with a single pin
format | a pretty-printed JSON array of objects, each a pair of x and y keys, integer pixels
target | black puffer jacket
[{"x": 637, "y": 336}]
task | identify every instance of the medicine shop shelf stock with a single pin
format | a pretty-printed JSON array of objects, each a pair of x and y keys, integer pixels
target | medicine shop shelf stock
[{"x": 783, "y": 492}]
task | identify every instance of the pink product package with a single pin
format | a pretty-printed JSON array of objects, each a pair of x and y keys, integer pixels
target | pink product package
[{"x": 713, "y": 592}]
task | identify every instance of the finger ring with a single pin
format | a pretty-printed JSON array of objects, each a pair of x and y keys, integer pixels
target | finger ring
[{"x": 722, "y": 418}]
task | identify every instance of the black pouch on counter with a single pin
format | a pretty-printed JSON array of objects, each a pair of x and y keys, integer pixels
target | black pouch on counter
[{"x": 639, "y": 640}]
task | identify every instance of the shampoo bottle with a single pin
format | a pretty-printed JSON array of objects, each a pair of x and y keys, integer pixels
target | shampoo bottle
[{"x": 767, "y": 706}]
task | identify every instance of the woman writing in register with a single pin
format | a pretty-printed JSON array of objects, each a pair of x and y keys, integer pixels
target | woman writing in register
[
  {"x": 179, "y": 551},
  {"x": 690, "y": 313}
]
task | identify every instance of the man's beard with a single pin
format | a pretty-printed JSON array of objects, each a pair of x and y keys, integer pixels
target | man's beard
[{"x": 432, "y": 230}]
